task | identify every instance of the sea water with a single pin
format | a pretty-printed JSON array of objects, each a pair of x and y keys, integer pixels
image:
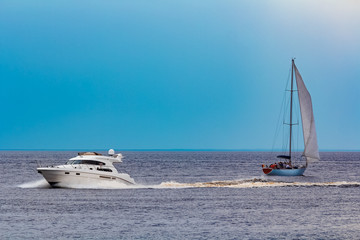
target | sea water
[{"x": 184, "y": 195}]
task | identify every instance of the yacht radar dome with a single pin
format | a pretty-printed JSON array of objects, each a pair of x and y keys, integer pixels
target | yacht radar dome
[{"x": 111, "y": 152}]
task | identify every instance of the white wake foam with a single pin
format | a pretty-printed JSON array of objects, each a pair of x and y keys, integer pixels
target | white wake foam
[
  {"x": 255, "y": 183},
  {"x": 99, "y": 185},
  {"x": 245, "y": 183},
  {"x": 42, "y": 183}
]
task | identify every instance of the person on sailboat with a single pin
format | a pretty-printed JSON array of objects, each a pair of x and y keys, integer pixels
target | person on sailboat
[{"x": 281, "y": 165}]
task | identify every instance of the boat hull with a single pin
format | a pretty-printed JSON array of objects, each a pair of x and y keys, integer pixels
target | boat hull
[
  {"x": 64, "y": 178},
  {"x": 284, "y": 172}
]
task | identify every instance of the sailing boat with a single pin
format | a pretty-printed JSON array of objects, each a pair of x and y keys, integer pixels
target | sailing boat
[{"x": 311, "y": 150}]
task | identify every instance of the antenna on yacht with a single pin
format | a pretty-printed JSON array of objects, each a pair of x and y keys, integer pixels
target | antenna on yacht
[{"x": 111, "y": 152}]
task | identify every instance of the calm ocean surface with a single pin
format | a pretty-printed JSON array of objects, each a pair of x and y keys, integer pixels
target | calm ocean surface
[{"x": 184, "y": 195}]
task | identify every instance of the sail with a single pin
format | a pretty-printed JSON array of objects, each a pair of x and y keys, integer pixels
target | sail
[{"x": 311, "y": 150}]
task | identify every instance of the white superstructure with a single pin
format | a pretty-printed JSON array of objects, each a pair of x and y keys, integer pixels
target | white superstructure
[{"x": 86, "y": 169}]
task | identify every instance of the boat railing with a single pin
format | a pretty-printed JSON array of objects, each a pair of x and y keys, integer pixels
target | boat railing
[
  {"x": 85, "y": 166},
  {"x": 40, "y": 164},
  {"x": 74, "y": 166}
]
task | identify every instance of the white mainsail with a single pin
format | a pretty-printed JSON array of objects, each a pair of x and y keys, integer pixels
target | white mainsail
[{"x": 311, "y": 150}]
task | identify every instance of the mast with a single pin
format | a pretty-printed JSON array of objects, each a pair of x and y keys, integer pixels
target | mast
[{"x": 291, "y": 105}]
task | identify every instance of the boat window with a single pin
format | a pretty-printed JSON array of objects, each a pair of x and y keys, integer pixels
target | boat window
[
  {"x": 90, "y": 162},
  {"x": 104, "y": 177},
  {"x": 104, "y": 169},
  {"x": 76, "y": 162}
]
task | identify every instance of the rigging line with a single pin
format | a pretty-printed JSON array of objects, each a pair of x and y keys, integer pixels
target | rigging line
[
  {"x": 285, "y": 137},
  {"x": 285, "y": 114},
  {"x": 285, "y": 133},
  {"x": 298, "y": 127},
  {"x": 282, "y": 109},
  {"x": 278, "y": 123},
  {"x": 297, "y": 112},
  {"x": 284, "y": 143},
  {"x": 298, "y": 131},
  {"x": 291, "y": 106}
]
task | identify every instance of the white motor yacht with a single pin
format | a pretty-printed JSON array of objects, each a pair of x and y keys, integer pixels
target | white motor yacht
[{"x": 86, "y": 169}]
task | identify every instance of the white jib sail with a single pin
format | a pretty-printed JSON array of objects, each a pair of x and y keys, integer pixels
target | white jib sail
[{"x": 311, "y": 150}]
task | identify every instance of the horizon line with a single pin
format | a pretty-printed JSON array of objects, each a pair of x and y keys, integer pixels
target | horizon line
[{"x": 170, "y": 150}]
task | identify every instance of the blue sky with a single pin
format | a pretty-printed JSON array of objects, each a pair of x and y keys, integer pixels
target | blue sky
[{"x": 173, "y": 74}]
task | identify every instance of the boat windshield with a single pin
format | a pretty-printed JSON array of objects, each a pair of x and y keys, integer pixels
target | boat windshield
[{"x": 90, "y": 162}]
